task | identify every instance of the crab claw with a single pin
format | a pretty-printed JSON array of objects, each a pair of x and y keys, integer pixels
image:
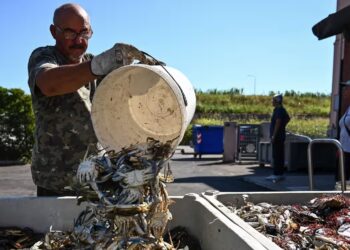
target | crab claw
[
  {"x": 138, "y": 177},
  {"x": 87, "y": 171}
]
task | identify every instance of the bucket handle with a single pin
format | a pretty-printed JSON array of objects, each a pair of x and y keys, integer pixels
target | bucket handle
[{"x": 162, "y": 65}]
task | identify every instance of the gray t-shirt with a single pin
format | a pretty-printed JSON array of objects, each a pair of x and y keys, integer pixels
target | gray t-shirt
[{"x": 63, "y": 130}]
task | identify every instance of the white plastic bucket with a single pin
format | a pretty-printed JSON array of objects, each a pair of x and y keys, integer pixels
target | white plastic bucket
[{"x": 137, "y": 102}]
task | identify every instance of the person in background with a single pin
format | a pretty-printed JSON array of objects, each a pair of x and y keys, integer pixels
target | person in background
[
  {"x": 279, "y": 121},
  {"x": 62, "y": 80},
  {"x": 344, "y": 138}
]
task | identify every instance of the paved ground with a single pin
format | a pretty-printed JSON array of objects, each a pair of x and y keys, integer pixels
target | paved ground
[
  {"x": 192, "y": 175},
  {"x": 16, "y": 180},
  {"x": 210, "y": 172}
]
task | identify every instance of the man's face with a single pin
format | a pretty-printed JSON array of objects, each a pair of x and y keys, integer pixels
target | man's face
[
  {"x": 71, "y": 35},
  {"x": 274, "y": 102}
]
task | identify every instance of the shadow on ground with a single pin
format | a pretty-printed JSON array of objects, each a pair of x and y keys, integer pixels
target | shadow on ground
[
  {"x": 223, "y": 183},
  {"x": 197, "y": 159}
]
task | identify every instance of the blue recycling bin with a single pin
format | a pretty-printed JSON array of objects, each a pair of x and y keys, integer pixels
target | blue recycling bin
[{"x": 208, "y": 139}]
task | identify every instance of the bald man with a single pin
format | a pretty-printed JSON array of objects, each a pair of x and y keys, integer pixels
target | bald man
[{"x": 62, "y": 81}]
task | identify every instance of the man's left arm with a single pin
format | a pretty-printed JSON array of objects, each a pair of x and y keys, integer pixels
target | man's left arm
[{"x": 277, "y": 129}]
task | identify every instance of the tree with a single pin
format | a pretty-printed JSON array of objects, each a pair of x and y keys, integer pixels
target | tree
[{"x": 16, "y": 125}]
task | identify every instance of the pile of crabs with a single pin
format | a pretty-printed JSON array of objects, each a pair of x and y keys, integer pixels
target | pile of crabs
[
  {"x": 127, "y": 202},
  {"x": 323, "y": 224}
]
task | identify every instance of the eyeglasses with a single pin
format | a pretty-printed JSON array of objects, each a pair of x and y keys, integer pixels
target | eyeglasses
[{"x": 70, "y": 34}]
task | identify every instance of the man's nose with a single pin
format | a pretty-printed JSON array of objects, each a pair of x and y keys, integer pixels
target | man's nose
[{"x": 79, "y": 39}]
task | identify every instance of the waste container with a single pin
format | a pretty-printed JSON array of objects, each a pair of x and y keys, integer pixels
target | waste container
[
  {"x": 296, "y": 153},
  {"x": 224, "y": 201},
  {"x": 207, "y": 224},
  {"x": 207, "y": 139},
  {"x": 325, "y": 157}
]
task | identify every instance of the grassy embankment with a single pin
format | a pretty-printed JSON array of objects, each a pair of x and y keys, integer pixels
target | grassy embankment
[{"x": 309, "y": 112}]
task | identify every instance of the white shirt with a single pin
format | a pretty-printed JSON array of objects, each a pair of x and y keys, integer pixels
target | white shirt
[{"x": 344, "y": 135}]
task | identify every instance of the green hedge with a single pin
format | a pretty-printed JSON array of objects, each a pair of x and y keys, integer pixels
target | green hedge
[
  {"x": 314, "y": 128},
  {"x": 16, "y": 125},
  {"x": 17, "y": 119}
]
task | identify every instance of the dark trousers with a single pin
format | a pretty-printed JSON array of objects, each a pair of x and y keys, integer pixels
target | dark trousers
[
  {"x": 40, "y": 191},
  {"x": 278, "y": 157}
]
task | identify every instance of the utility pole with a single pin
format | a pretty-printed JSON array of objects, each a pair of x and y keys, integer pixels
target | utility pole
[{"x": 254, "y": 81}]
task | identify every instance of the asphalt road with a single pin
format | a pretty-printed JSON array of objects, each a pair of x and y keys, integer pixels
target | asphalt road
[{"x": 192, "y": 175}]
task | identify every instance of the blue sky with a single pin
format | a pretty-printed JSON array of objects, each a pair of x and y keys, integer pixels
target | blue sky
[{"x": 219, "y": 44}]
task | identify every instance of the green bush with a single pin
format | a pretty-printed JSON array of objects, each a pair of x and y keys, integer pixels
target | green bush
[
  {"x": 213, "y": 102},
  {"x": 16, "y": 125},
  {"x": 17, "y": 119},
  {"x": 314, "y": 128},
  {"x": 309, "y": 111}
]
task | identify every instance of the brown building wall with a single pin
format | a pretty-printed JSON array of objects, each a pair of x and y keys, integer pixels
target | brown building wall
[
  {"x": 345, "y": 77},
  {"x": 341, "y": 74}
]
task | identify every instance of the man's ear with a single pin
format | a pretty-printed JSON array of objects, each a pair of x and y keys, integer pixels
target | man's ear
[{"x": 53, "y": 31}]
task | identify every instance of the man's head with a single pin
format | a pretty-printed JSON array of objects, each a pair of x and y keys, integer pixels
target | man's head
[
  {"x": 277, "y": 100},
  {"x": 71, "y": 29}
]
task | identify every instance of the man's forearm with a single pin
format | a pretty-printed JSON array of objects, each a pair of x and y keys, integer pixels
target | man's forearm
[{"x": 64, "y": 79}]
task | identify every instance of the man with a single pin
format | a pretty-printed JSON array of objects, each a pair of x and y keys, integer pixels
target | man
[
  {"x": 62, "y": 80},
  {"x": 279, "y": 121}
]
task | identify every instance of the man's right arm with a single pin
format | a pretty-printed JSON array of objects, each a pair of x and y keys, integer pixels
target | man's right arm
[
  {"x": 55, "y": 80},
  {"x": 64, "y": 79}
]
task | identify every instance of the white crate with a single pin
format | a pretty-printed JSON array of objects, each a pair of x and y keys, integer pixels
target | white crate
[
  {"x": 213, "y": 230},
  {"x": 221, "y": 199}
]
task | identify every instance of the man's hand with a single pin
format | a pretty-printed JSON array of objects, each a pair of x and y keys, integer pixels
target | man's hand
[
  {"x": 87, "y": 171},
  {"x": 119, "y": 55}
]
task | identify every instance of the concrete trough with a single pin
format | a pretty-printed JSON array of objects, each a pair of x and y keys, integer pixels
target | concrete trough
[
  {"x": 202, "y": 220},
  {"x": 220, "y": 200}
]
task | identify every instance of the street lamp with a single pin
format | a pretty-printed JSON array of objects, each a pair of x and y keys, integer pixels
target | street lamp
[{"x": 254, "y": 81}]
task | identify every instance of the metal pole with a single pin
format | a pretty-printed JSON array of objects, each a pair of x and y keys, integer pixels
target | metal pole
[
  {"x": 254, "y": 84},
  {"x": 254, "y": 81},
  {"x": 341, "y": 161}
]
